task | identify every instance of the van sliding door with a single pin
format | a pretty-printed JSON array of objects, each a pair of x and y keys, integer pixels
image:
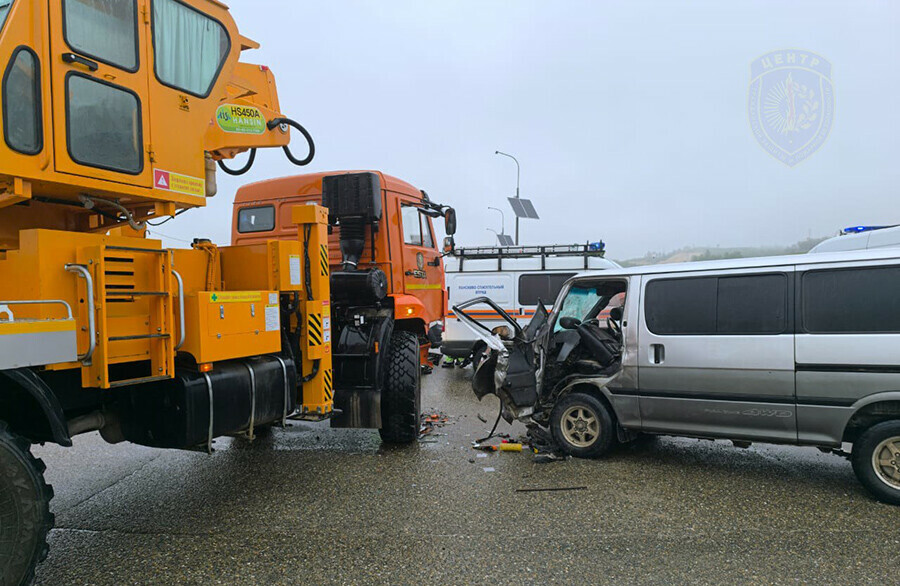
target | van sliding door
[{"x": 716, "y": 355}]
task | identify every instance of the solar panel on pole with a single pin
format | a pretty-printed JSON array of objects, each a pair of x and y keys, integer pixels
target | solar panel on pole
[
  {"x": 505, "y": 239},
  {"x": 530, "y": 212},
  {"x": 523, "y": 208},
  {"x": 516, "y": 205}
]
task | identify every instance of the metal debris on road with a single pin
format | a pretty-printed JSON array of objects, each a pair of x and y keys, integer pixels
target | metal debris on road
[
  {"x": 552, "y": 489},
  {"x": 429, "y": 422}
]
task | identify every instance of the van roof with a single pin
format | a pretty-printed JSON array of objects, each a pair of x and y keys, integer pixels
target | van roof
[
  {"x": 757, "y": 262},
  {"x": 309, "y": 184},
  {"x": 880, "y": 238}
]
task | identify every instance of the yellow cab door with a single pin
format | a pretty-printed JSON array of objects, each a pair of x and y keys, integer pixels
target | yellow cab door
[
  {"x": 100, "y": 81},
  {"x": 189, "y": 46},
  {"x": 422, "y": 269}
]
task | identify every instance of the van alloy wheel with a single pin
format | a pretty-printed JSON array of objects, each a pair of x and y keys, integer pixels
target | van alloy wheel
[
  {"x": 876, "y": 460},
  {"x": 580, "y": 426},
  {"x": 886, "y": 461}
]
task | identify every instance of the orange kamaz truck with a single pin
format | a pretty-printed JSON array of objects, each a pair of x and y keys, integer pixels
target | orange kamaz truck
[{"x": 388, "y": 295}]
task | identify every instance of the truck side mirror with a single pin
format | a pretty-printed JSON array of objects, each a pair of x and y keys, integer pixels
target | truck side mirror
[
  {"x": 449, "y": 245},
  {"x": 450, "y": 221}
]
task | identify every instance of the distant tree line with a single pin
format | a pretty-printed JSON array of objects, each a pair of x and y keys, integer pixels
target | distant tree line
[{"x": 689, "y": 253}]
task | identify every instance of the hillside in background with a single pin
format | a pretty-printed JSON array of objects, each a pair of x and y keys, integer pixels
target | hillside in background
[{"x": 696, "y": 253}]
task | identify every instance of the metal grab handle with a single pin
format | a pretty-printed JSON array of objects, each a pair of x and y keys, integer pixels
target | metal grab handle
[
  {"x": 73, "y": 58},
  {"x": 181, "y": 333},
  {"x": 92, "y": 327},
  {"x": 6, "y": 310}
]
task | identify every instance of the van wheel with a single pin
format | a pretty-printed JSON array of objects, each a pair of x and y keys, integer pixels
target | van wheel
[
  {"x": 582, "y": 426},
  {"x": 876, "y": 461},
  {"x": 25, "y": 516},
  {"x": 400, "y": 398}
]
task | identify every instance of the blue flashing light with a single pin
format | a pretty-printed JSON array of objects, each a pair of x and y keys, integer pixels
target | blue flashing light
[
  {"x": 859, "y": 229},
  {"x": 597, "y": 246}
]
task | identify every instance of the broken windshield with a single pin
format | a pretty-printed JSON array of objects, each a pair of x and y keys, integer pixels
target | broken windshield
[
  {"x": 578, "y": 302},
  {"x": 589, "y": 299}
]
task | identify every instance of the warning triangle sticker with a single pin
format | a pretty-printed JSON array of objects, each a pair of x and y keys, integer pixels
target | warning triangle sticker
[{"x": 161, "y": 182}]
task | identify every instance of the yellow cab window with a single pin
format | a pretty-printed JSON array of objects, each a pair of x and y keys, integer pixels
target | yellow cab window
[
  {"x": 189, "y": 47},
  {"x": 22, "y": 128},
  {"x": 103, "y": 29}
]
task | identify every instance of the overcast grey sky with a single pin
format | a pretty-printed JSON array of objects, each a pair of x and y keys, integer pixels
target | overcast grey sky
[{"x": 630, "y": 119}]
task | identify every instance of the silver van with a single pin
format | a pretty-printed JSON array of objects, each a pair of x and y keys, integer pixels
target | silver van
[{"x": 801, "y": 349}]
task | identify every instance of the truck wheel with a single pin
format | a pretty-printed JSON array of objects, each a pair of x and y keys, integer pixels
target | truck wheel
[
  {"x": 582, "y": 426},
  {"x": 25, "y": 516},
  {"x": 400, "y": 397},
  {"x": 876, "y": 461}
]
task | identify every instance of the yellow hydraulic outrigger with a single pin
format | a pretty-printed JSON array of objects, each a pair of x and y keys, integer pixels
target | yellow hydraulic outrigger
[{"x": 114, "y": 115}]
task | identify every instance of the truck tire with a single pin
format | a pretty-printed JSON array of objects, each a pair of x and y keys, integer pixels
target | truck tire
[
  {"x": 876, "y": 461},
  {"x": 401, "y": 395},
  {"x": 582, "y": 426},
  {"x": 25, "y": 516}
]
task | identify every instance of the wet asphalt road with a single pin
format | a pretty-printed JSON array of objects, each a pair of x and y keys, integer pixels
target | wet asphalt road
[{"x": 315, "y": 505}]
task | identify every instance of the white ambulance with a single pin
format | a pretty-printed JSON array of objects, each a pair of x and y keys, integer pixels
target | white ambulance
[{"x": 516, "y": 278}]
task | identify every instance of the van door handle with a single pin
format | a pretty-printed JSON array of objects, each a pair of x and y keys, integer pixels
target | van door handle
[
  {"x": 657, "y": 353},
  {"x": 73, "y": 58}
]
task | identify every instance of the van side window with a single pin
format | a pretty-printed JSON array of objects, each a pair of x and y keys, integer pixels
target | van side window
[
  {"x": 543, "y": 287},
  {"x": 752, "y": 304},
  {"x": 681, "y": 306},
  {"x": 258, "y": 219},
  {"x": 743, "y": 304},
  {"x": 844, "y": 301}
]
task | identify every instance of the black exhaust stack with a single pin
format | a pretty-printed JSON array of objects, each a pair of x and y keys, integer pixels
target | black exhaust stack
[{"x": 354, "y": 202}]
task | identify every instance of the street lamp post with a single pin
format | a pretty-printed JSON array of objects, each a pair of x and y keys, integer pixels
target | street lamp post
[
  {"x": 502, "y": 219},
  {"x": 518, "y": 169}
]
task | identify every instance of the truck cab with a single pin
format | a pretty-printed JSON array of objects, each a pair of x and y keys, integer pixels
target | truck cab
[{"x": 402, "y": 242}]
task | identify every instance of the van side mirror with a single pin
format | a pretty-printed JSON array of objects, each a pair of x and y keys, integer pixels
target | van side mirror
[
  {"x": 569, "y": 323},
  {"x": 450, "y": 221},
  {"x": 449, "y": 245}
]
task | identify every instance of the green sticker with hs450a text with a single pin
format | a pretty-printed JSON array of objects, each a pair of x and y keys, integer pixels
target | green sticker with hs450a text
[{"x": 240, "y": 119}]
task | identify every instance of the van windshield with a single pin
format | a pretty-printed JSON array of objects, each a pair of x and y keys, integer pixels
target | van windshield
[
  {"x": 587, "y": 300},
  {"x": 578, "y": 302}
]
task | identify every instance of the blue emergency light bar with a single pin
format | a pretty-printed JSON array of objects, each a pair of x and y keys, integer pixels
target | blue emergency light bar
[{"x": 858, "y": 229}]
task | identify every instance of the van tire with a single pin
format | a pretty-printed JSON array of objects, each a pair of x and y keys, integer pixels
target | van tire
[
  {"x": 401, "y": 396},
  {"x": 867, "y": 470},
  {"x": 25, "y": 510},
  {"x": 582, "y": 426}
]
